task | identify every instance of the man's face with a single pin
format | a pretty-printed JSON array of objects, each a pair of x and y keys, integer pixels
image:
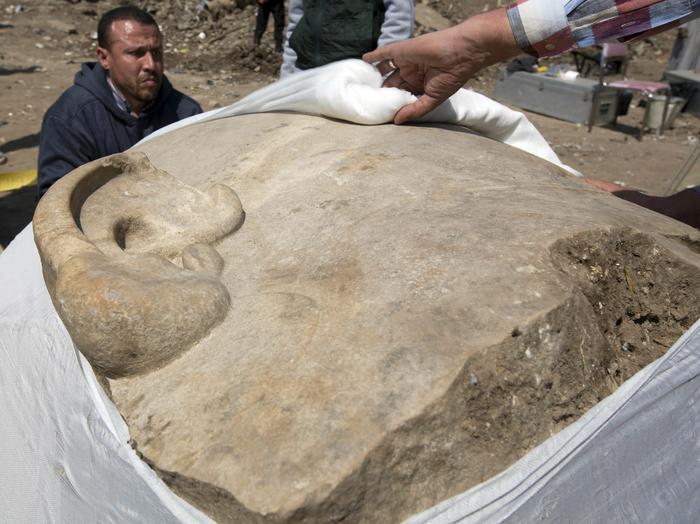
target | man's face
[{"x": 134, "y": 60}]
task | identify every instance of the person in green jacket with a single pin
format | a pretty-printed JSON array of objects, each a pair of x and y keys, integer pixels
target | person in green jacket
[{"x": 323, "y": 31}]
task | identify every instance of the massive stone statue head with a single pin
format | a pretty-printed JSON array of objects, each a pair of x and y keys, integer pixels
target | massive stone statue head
[{"x": 304, "y": 320}]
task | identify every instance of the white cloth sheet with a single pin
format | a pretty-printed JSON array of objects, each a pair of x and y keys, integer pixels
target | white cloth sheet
[
  {"x": 352, "y": 90},
  {"x": 64, "y": 455}
]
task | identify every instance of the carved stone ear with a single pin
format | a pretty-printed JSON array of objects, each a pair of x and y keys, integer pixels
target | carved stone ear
[{"x": 105, "y": 234}]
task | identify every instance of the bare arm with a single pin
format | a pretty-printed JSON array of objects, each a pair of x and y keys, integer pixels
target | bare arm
[
  {"x": 436, "y": 65},
  {"x": 684, "y": 206}
]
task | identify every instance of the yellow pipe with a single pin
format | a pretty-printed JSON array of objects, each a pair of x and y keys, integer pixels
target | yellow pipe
[{"x": 17, "y": 179}]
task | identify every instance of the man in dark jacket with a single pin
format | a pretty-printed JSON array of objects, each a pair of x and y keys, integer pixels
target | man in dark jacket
[{"x": 114, "y": 103}]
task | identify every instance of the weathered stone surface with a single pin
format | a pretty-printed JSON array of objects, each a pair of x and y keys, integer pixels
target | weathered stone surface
[
  {"x": 412, "y": 308},
  {"x": 127, "y": 308}
]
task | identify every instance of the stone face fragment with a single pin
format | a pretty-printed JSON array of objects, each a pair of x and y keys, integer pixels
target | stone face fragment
[{"x": 412, "y": 309}]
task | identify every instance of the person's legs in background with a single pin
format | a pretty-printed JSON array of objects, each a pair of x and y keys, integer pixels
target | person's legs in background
[
  {"x": 278, "y": 15},
  {"x": 261, "y": 20}
]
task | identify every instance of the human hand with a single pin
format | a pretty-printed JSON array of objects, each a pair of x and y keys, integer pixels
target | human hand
[
  {"x": 436, "y": 65},
  {"x": 610, "y": 187},
  {"x": 684, "y": 206}
]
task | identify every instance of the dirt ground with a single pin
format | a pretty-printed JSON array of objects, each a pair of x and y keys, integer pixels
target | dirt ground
[{"x": 210, "y": 56}]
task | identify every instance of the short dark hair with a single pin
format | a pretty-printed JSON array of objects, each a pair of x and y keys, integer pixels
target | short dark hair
[{"x": 127, "y": 12}]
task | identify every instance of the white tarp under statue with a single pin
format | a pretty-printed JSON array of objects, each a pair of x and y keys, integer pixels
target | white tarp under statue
[{"x": 391, "y": 276}]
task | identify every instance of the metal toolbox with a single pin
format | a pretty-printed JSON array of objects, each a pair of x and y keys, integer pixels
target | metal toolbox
[{"x": 566, "y": 99}]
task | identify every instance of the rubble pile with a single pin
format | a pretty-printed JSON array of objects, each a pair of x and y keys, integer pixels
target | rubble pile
[{"x": 212, "y": 36}]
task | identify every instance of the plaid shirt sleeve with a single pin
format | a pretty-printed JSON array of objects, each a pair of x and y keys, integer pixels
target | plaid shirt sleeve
[{"x": 551, "y": 27}]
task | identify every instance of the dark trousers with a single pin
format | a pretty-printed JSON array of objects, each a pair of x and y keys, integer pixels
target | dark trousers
[{"x": 276, "y": 7}]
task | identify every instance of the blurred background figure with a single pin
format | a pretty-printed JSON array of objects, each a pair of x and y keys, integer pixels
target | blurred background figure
[
  {"x": 319, "y": 33},
  {"x": 265, "y": 7},
  {"x": 686, "y": 49}
]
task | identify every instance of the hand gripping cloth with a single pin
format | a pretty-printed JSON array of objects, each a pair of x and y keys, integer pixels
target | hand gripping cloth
[{"x": 352, "y": 90}]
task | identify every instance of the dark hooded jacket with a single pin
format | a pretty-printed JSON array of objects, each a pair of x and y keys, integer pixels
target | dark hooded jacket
[{"x": 85, "y": 123}]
